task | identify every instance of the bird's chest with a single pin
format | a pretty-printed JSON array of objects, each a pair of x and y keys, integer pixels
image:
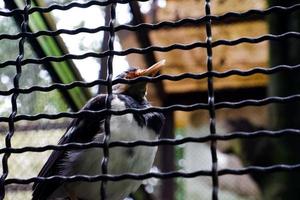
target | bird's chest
[
  {"x": 121, "y": 159},
  {"x": 129, "y": 127},
  {"x": 126, "y": 128},
  {"x": 130, "y": 159}
]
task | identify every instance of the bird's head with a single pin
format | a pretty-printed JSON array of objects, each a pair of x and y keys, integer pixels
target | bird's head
[{"x": 136, "y": 90}]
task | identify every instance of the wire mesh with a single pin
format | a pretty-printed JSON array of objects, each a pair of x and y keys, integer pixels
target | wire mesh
[
  {"x": 211, "y": 105},
  {"x": 14, "y": 97}
]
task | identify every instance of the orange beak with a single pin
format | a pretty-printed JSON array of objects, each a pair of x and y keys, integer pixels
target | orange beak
[
  {"x": 151, "y": 71},
  {"x": 138, "y": 90}
]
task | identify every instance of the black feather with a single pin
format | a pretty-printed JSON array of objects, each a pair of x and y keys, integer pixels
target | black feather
[
  {"x": 152, "y": 120},
  {"x": 83, "y": 131}
]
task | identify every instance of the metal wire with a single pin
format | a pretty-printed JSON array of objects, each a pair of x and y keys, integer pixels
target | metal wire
[
  {"x": 155, "y": 48},
  {"x": 163, "y": 24},
  {"x": 228, "y": 136},
  {"x": 198, "y": 76},
  {"x": 211, "y": 106},
  {"x": 11, "y": 118},
  {"x": 176, "y": 107},
  {"x": 104, "y": 164},
  {"x": 106, "y": 3},
  {"x": 129, "y": 176}
]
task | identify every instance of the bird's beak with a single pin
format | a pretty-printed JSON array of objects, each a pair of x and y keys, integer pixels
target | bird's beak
[
  {"x": 138, "y": 90},
  {"x": 151, "y": 71}
]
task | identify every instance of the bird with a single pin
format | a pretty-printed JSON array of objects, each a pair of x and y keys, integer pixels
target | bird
[{"x": 127, "y": 127}]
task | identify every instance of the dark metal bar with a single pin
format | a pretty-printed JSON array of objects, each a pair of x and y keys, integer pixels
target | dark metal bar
[
  {"x": 219, "y": 105},
  {"x": 198, "y": 76},
  {"x": 11, "y": 122},
  {"x": 173, "y": 142},
  {"x": 211, "y": 103},
  {"x": 230, "y": 17},
  {"x": 146, "y": 50},
  {"x": 104, "y": 162},
  {"x": 87, "y": 4},
  {"x": 176, "y": 174}
]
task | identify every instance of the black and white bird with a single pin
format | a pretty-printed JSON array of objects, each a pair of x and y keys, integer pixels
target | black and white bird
[{"x": 128, "y": 127}]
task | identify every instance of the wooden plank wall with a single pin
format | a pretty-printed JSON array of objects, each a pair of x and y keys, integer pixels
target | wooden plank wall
[{"x": 243, "y": 56}]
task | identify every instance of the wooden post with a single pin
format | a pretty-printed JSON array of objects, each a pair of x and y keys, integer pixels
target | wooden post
[{"x": 167, "y": 161}]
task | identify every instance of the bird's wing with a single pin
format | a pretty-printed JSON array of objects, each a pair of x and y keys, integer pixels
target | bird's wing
[{"x": 80, "y": 130}]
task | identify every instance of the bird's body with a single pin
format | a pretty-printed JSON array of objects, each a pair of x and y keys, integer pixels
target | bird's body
[{"x": 128, "y": 127}]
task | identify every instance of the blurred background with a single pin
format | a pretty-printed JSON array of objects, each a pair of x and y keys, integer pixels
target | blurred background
[{"x": 190, "y": 157}]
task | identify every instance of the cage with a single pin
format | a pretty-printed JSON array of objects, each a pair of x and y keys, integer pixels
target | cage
[{"x": 229, "y": 92}]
